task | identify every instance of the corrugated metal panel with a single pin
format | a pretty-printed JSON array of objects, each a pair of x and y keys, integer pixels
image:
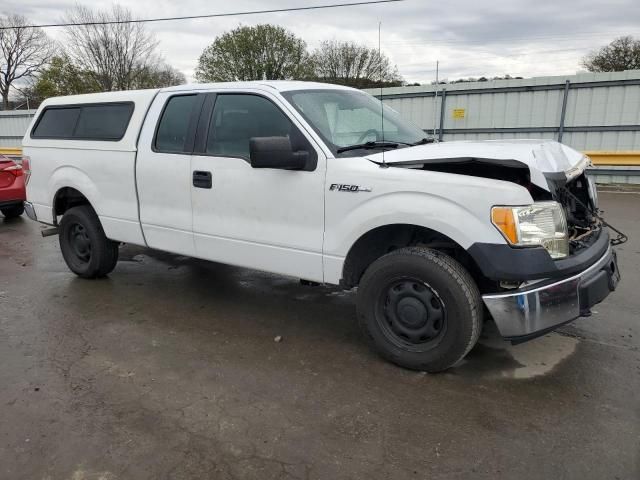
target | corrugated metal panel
[
  {"x": 594, "y": 100},
  {"x": 609, "y": 174},
  {"x": 13, "y": 125}
]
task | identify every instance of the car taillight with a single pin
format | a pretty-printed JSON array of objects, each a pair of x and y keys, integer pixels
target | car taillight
[
  {"x": 26, "y": 168},
  {"x": 15, "y": 170}
]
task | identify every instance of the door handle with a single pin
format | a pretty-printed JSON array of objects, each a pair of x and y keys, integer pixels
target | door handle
[{"x": 202, "y": 179}]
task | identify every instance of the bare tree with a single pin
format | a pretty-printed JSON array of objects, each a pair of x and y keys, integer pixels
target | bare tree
[
  {"x": 621, "y": 54},
  {"x": 160, "y": 75},
  {"x": 24, "y": 50},
  {"x": 117, "y": 55},
  {"x": 348, "y": 63}
]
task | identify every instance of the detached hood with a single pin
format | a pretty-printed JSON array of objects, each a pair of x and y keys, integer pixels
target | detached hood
[{"x": 545, "y": 159}]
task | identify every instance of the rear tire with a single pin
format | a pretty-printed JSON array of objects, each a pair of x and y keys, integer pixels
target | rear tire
[
  {"x": 420, "y": 309},
  {"x": 12, "y": 212},
  {"x": 85, "y": 248}
]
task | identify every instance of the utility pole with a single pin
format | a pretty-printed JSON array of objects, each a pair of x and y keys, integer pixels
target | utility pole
[{"x": 435, "y": 100}]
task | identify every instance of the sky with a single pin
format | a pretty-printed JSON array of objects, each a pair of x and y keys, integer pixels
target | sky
[{"x": 469, "y": 38}]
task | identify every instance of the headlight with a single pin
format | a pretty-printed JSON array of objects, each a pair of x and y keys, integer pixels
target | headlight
[{"x": 540, "y": 224}]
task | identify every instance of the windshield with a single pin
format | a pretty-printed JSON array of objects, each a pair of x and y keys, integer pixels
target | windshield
[{"x": 345, "y": 118}]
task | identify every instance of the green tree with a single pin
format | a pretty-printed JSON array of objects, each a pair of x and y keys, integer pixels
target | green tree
[
  {"x": 354, "y": 65},
  {"x": 621, "y": 54},
  {"x": 62, "y": 77},
  {"x": 263, "y": 52}
]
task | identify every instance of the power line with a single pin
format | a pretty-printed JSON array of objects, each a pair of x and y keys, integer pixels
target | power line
[{"x": 213, "y": 15}]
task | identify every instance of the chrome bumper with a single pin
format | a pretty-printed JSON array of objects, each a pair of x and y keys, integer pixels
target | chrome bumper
[
  {"x": 31, "y": 213},
  {"x": 533, "y": 310}
]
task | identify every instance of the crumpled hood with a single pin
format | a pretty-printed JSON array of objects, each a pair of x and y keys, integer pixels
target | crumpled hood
[{"x": 541, "y": 156}]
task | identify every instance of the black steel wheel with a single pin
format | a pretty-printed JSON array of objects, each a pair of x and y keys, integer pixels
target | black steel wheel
[
  {"x": 80, "y": 242},
  {"x": 85, "y": 248},
  {"x": 414, "y": 316},
  {"x": 419, "y": 308}
]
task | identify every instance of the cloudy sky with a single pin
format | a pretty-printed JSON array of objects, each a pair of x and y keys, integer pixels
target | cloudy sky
[{"x": 468, "y": 37}]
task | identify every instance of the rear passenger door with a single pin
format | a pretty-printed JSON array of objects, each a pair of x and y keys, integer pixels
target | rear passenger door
[
  {"x": 268, "y": 219},
  {"x": 163, "y": 171}
]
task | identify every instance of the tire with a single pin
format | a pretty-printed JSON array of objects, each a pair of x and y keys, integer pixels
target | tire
[
  {"x": 12, "y": 212},
  {"x": 85, "y": 248},
  {"x": 420, "y": 309}
]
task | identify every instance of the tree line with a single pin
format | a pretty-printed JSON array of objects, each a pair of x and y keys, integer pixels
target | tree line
[
  {"x": 270, "y": 52},
  {"x": 93, "y": 57},
  {"x": 103, "y": 52}
]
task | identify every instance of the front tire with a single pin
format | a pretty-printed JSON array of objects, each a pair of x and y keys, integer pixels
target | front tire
[
  {"x": 12, "y": 212},
  {"x": 85, "y": 248},
  {"x": 420, "y": 309}
]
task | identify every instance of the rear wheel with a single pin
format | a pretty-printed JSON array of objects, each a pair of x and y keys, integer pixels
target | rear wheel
[
  {"x": 12, "y": 212},
  {"x": 420, "y": 309},
  {"x": 85, "y": 248}
]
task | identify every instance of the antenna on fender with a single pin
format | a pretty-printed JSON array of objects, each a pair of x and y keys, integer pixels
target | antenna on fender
[{"x": 384, "y": 165}]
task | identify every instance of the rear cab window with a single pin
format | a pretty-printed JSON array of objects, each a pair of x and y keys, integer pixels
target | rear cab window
[
  {"x": 173, "y": 131},
  {"x": 96, "y": 121}
]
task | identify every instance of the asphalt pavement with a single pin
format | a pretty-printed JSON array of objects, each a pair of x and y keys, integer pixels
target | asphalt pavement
[{"x": 170, "y": 369}]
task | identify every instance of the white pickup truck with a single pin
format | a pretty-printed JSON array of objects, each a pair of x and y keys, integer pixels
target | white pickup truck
[{"x": 323, "y": 183}]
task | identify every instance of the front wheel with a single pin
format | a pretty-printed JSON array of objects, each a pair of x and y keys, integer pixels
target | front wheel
[
  {"x": 85, "y": 248},
  {"x": 419, "y": 309}
]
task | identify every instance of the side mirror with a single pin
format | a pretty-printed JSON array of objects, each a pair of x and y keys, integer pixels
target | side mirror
[{"x": 276, "y": 152}]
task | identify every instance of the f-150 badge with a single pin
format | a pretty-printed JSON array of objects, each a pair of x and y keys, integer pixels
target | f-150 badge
[{"x": 341, "y": 187}]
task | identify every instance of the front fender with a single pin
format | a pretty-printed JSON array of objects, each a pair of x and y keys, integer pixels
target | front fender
[{"x": 413, "y": 208}]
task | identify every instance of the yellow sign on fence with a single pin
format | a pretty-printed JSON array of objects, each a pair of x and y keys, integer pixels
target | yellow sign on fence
[{"x": 458, "y": 113}]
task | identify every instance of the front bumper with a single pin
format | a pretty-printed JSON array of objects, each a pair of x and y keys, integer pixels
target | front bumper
[{"x": 542, "y": 306}]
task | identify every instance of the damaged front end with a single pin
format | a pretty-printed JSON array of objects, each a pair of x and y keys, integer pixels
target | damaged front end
[
  {"x": 577, "y": 194},
  {"x": 532, "y": 289},
  {"x": 572, "y": 189}
]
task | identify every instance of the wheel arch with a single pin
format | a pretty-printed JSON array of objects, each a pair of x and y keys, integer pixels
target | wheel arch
[
  {"x": 384, "y": 239},
  {"x": 66, "y": 198},
  {"x": 69, "y": 187}
]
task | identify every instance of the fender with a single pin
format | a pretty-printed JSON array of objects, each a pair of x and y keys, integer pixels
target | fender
[
  {"x": 420, "y": 209},
  {"x": 72, "y": 177},
  {"x": 115, "y": 227}
]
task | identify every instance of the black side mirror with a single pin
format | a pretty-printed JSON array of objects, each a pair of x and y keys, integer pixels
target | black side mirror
[{"x": 276, "y": 152}]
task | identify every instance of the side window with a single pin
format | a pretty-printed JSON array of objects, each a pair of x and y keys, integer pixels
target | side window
[
  {"x": 237, "y": 118},
  {"x": 56, "y": 123},
  {"x": 171, "y": 136},
  {"x": 100, "y": 121},
  {"x": 103, "y": 122}
]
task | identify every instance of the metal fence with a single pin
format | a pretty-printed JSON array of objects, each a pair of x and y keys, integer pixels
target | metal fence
[
  {"x": 13, "y": 125},
  {"x": 598, "y": 113},
  {"x": 593, "y": 111}
]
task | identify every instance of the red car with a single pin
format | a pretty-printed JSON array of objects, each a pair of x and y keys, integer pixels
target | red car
[{"x": 12, "y": 191}]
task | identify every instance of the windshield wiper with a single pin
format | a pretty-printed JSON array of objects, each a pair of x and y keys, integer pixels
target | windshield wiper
[
  {"x": 369, "y": 145},
  {"x": 423, "y": 141}
]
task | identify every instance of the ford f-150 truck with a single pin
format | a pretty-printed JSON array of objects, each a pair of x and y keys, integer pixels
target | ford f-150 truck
[{"x": 325, "y": 183}]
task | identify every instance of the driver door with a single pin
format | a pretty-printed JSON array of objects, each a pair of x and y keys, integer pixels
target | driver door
[{"x": 269, "y": 219}]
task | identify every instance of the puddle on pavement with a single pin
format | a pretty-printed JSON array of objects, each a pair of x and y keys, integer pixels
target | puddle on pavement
[{"x": 494, "y": 357}]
